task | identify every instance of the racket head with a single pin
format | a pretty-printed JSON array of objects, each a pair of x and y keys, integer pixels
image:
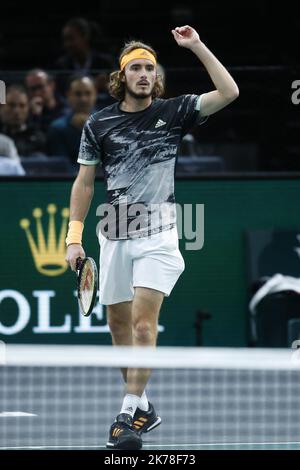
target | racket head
[{"x": 87, "y": 284}]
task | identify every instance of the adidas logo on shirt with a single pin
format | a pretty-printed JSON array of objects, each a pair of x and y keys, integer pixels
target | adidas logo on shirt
[{"x": 160, "y": 123}]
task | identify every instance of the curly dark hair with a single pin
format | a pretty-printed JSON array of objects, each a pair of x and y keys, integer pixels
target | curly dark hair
[{"x": 116, "y": 87}]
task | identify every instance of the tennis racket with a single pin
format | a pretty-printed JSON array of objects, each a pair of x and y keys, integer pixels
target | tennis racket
[{"x": 87, "y": 284}]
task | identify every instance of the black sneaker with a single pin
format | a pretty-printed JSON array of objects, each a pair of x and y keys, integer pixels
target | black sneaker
[
  {"x": 145, "y": 421},
  {"x": 122, "y": 435}
]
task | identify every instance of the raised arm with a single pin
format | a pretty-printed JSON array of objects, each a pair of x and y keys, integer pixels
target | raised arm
[{"x": 226, "y": 88}]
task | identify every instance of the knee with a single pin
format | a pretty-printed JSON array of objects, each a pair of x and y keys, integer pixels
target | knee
[
  {"x": 144, "y": 332},
  {"x": 116, "y": 325}
]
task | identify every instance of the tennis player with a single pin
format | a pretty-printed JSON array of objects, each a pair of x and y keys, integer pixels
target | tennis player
[{"x": 136, "y": 140}]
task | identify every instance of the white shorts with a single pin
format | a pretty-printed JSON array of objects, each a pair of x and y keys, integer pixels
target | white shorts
[{"x": 154, "y": 262}]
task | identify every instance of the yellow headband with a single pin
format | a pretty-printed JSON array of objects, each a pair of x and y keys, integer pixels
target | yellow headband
[{"x": 136, "y": 54}]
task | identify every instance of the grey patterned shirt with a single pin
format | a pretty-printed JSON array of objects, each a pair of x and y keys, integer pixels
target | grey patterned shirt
[{"x": 138, "y": 153}]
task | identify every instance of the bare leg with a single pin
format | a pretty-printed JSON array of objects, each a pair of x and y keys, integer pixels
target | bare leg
[
  {"x": 145, "y": 312},
  {"x": 119, "y": 318}
]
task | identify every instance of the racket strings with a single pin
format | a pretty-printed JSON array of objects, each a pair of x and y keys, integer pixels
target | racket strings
[{"x": 87, "y": 285}]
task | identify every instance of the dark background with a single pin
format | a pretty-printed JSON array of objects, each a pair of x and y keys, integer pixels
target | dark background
[
  {"x": 240, "y": 33},
  {"x": 256, "y": 41}
]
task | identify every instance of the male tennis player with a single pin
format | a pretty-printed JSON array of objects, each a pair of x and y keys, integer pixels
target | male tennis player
[{"x": 136, "y": 140}]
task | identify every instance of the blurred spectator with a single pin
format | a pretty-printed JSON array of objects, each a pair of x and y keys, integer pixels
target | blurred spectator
[
  {"x": 14, "y": 117},
  {"x": 8, "y": 148},
  {"x": 162, "y": 72},
  {"x": 188, "y": 146},
  {"x": 81, "y": 52},
  {"x": 103, "y": 97},
  {"x": 9, "y": 158},
  {"x": 45, "y": 104},
  {"x": 64, "y": 134},
  {"x": 9, "y": 167}
]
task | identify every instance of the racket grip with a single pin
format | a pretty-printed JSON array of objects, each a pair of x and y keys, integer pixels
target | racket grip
[{"x": 78, "y": 263}]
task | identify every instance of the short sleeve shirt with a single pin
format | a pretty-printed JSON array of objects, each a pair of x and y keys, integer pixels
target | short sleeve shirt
[{"x": 138, "y": 151}]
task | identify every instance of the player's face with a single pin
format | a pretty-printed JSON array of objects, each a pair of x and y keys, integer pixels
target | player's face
[{"x": 140, "y": 76}]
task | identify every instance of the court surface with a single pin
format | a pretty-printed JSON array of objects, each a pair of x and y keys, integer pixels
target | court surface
[{"x": 51, "y": 407}]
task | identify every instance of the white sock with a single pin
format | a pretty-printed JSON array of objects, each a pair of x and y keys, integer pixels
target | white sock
[
  {"x": 130, "y": 404},
  {"x": 143, "y": 404}
]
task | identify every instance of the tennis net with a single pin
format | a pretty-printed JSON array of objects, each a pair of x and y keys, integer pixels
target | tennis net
[{"x": 60, "y": 397}]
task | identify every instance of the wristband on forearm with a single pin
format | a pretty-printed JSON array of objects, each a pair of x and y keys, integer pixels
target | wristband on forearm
[{"x": 74, "y": 234}]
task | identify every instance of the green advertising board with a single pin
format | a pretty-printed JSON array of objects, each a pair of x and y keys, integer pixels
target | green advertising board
[{"x": 37, "y": 290}]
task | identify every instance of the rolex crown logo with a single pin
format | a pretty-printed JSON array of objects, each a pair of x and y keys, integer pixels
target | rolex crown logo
[{"x": 48, "y": 253}]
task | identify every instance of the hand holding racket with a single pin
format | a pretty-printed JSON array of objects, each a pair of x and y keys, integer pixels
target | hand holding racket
[
  {"x": 74, "y": 251},
  {"x": 87, "y": 284}
]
